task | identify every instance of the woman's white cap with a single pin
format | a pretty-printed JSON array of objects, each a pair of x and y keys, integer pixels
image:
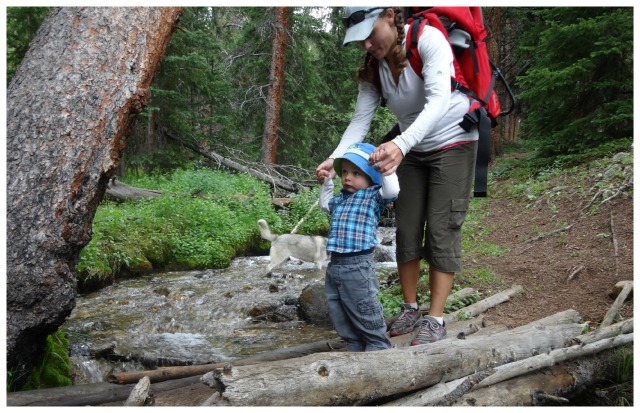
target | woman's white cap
[{"x": 361, "y": 30}]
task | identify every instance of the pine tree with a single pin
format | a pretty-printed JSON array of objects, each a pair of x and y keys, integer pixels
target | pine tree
[{"x": 579, "y": 85}]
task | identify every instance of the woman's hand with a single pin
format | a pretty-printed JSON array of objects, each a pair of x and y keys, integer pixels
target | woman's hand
[
  {"x": 324, "y": 170},
  {"x": 386, "y": 158}
]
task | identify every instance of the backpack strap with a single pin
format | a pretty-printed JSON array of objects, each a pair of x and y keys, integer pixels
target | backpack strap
[
  {"x": 484, "y": 153},
  {"x": 415, "y": 29},
  {"x": 476, "y": 116}
]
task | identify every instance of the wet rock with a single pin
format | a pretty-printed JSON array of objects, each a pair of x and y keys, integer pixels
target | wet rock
[
  {"x": 384, "y": 253},
  {"x": 162, "y": 291},
  {"x": 275, "y": 314},
  {"x": 285, "y": 313},
  {"x": 313, "y": 305},
  {"x": 261, "y": 309}
]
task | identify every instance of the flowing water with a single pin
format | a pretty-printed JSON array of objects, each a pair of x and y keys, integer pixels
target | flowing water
[{"x": 192, "y": 317}]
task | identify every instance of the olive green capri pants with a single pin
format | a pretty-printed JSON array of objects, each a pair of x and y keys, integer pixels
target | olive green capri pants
[{"x": 435, "y": 190}]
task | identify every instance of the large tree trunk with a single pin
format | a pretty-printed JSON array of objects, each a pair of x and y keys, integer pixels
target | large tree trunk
[
  {"x": 70, "y": 107},
  {"x": 274, "y": 102}
]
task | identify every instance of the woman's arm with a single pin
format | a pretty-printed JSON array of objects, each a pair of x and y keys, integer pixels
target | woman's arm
[{"x": 366, "y": 105}]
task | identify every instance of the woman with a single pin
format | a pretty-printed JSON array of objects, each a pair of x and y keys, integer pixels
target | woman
[{"x": 433, "y": 156}]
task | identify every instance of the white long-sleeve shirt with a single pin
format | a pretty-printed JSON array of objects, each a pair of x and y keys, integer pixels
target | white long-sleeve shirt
[{"x": 427, "y": 111}]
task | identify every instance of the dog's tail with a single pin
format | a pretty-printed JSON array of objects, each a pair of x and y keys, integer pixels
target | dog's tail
[{"x": 265, "y": 232}]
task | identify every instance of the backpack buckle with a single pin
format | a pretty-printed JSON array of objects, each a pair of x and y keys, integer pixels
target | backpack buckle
[{"x": 470, "y": 120}]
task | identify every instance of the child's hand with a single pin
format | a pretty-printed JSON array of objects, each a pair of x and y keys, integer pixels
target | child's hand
[
  {"x": 386, "y": 158},
  {"x": 325, "y": 170}
]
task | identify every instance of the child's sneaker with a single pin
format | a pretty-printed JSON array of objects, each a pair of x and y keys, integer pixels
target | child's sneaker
[
  {"x": 430, "y": 331},
  {"x": 407, "y": 321}
]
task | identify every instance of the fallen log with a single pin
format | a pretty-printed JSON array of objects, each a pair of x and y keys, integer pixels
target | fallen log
[
  {"x": 520, "y": 367},
  {"x": 87, "y": 394},
  {"x": 119, "y": 192},
  {"x": 483, "y": 305},
  {"x": 282, "y": 183},
  {"x": 361, "y": 378},
  {"x": 615, "y": 291},
  {"x": 563, "y": 380},
  {"x": 617, "y": 304},
  {"x": 176, "y": 372},
  {"x": 517, "y": 391},
  {"x": 622, "y": 327},
  {"x": 140, "y": 394},
  {"x": 435, "y": 394},
  {"x": 465, "y": 385},
  {"x": 429, "y": 396}
]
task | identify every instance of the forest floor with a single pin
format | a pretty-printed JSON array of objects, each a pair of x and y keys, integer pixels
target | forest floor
[
  {"x": 569, "y": 236},
  {"x": 541, "y": 258}
]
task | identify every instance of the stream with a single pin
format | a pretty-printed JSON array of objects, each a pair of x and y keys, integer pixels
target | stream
[{"x": 192, "y": 317}]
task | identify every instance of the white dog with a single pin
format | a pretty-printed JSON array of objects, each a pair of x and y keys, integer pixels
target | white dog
[{"x": 304, "y": 247}]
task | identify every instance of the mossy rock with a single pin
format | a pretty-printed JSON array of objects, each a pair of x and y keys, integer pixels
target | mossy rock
[{"x": 54, "y": 368}]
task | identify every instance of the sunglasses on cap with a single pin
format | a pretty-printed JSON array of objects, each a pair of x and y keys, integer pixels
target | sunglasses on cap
[{"x": 357, "y": 16}]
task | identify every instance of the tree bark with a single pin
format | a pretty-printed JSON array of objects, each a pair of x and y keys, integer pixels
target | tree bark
[
  {"x": 172, "y": 373},
  {"x": 70, "y": 108},
  {"x": 274, "y": 96},
  {"x": 361, "y": 378},
  {"x": 558, "y": 381}
]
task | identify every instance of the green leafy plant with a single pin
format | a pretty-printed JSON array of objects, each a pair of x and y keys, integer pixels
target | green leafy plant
[
  {"x": 463, "y": 315},
  {"x": 179, "y": 230}
]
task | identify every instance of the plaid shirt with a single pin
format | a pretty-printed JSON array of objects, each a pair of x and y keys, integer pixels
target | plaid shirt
[{"x": 354, "y": 220}]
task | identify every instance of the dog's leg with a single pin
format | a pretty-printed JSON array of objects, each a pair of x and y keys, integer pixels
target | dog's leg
[{"x": 276, "y": 258}]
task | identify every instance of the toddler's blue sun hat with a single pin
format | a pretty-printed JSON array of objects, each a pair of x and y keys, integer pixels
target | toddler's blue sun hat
[{"x": 358, "y": 154}]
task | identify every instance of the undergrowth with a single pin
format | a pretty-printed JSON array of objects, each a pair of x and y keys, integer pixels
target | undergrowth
[{"x": 203, "y": 219}]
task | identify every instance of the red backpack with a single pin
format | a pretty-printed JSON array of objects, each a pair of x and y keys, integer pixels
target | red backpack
[{"x": 476, "y": 75}]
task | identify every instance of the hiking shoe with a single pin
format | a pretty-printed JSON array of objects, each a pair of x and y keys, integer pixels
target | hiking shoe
[
  {"x": 407, "y": 321},
  {"x": 430, "y": 331}
]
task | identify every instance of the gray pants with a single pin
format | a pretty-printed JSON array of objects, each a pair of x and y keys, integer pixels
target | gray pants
[{"x": 351, "y": 288}]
